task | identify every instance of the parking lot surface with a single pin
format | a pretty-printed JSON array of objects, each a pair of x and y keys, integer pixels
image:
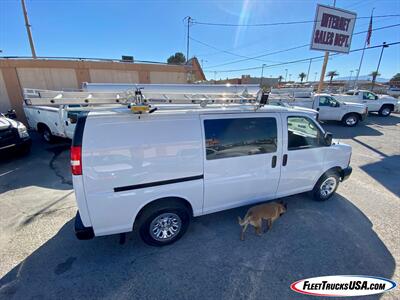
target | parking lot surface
[{"x": 355, "y": 232}]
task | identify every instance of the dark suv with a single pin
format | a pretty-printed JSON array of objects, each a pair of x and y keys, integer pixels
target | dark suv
[{"x": 13, "y": 134}]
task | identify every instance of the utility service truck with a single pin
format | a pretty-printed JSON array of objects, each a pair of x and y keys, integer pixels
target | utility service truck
[
  {"x": 329, "y": 108},
  {"x": 151, "y": 168},
  {"x": 383, "y": 104}
]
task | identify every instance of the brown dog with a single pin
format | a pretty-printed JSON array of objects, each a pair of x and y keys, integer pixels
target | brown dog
[{"x": 255, "y": 215}]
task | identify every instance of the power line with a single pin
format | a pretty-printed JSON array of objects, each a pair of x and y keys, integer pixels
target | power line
[
  {"x": 296, "y": 47},
  {"x": 299, "y": 60},
  {"x": 279, "y": 23},
  {"x": 227, "y": 52},
  {"x": 260, "y": 40}
]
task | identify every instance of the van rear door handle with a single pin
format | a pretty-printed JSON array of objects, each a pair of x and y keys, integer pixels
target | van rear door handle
[
  {"x": 273, "y": 163},
  {"x": 284, "y": 161}
]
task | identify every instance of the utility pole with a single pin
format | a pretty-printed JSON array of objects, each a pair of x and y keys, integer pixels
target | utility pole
[
  {"x": 28, "y": 29},
  {"x": 189, "y": 19},
  {"x": 379, "y": 63},
  {"x": 286, "y": 74},
  {"x": 309, "y": 67},
  {"x": 324, "y": 65},
  {"x": 262, "y": 75}
]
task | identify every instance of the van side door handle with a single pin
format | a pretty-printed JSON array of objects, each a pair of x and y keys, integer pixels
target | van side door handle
[
  {"x": 273, "y": 163},
  {"x": 284, "y": 161}
]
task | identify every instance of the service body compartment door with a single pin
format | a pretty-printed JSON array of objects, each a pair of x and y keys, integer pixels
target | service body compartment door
[{"x": 241, "y": 160}]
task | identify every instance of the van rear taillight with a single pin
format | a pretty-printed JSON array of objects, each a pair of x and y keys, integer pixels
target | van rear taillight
[{"x": 76, "y": 160}]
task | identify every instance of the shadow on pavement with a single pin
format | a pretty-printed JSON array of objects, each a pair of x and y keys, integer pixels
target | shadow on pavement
[
  {"x": 311, "y": 239},
  {"x": 47, "y": 165},
  {"x": 362, "y": 129},
  {"x": 386, "y": 172},
  {"x": 341, "y": 132},
  {"x": 374, "y": 118}
]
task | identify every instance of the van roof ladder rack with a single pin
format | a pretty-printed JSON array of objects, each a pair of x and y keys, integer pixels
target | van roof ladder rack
[{"x": 137, "y": 99}]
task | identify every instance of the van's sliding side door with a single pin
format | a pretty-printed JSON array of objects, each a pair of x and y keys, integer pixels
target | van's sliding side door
[{"x": 242, "y": 159}]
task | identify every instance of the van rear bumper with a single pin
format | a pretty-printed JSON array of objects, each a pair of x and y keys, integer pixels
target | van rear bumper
[
  {"x": 346, "y": 173},
  {"x": 82, "y": 232}
]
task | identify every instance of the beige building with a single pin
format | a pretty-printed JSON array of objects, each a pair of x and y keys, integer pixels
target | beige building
[{"x": 52, "y": 74}]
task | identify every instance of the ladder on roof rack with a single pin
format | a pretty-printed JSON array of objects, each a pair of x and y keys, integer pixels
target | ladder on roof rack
[{"x": 137, "y": 100}]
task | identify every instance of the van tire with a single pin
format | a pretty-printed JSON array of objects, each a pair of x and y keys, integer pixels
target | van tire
[
  {"x": 350, "y": 120},
  {"x": 326, "y": 186},
  {"x": 163, "y": 212},
  {"x": 385, "y": 111}
]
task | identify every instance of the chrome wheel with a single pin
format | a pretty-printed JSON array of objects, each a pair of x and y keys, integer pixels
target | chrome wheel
[
  {"x": 352, "y": 120},
  {"x": 386, "y": 111},
  {"x": 165, "y": 227},
  {"x": 328, "y": 187}
]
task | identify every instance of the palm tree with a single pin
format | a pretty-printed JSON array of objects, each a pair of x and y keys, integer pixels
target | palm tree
[
  {"x": 302, "y": 75},
  {"x": 332, "y": 74},
  {"x": 374, "y": 74},
  {"x": 280, "y": 77}
]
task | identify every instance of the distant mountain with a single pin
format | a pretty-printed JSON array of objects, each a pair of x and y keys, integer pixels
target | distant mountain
[{"x": 362, "y": 77}]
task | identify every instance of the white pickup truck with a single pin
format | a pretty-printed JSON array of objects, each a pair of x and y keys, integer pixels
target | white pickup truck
[
  {"x": 51, "y": 121},
  {"x": 383, "y": 104},
  {"x": 328, "y": 107}
]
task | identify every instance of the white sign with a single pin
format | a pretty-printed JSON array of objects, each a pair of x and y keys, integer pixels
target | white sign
[{"x": 333, "y": 29}]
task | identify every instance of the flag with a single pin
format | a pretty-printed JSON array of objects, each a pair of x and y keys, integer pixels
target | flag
[{"x": 369, "y": 31}]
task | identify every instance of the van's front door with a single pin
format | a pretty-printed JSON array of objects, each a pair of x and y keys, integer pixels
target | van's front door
[
  {"x": 242, "y": 159},
  {"x": 303, "y": 154}
]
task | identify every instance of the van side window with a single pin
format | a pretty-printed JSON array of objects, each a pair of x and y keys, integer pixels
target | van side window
[
  {"x": 240, "y": 137},
  {"x": 303, "y": 133}
]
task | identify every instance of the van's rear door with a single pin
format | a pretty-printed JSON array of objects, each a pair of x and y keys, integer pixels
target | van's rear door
[{"x": 242, "y": 159}]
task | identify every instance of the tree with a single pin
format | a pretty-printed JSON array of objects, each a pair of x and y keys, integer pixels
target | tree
[
  {"x": 178, "y": 58},
  {"x": 302, "y": 75},
  {"x": 280, "y": 77},
  {"x": 332, "y": 74},
  {"x": 374, "y": 74}
]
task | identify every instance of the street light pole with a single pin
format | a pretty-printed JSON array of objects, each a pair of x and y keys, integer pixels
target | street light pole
[
  {"x": 351, "y": 74},
  {"x": 379, "y": 63},
  {"x": 315, "y": 78},
  {"x": 309, "y": 67},
  {"x": 286, "y": 75},
  {"x": 262, "y": 75}
]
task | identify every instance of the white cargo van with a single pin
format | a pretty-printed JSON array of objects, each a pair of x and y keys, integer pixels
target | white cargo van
[{"x": 153, "y": 172}]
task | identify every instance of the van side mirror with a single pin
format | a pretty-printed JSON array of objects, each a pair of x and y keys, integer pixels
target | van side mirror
[
  {"x": 376, "y": 97},
  {"x": 73, "y": 117},
  {"x": 328, "y": 138}
]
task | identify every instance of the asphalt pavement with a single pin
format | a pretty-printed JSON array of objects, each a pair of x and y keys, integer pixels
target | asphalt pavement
[{"x": 355, "y": 232}]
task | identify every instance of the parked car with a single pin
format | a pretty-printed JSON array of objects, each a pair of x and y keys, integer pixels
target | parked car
[
  {"x": 13, "y": 134},
  {"x": 329, "y": 108},
  {"x": 154, "y": 172},
  {"x": 383, "y": 104}
]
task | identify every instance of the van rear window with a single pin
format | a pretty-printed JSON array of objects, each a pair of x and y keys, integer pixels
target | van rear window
[{"x": 240, "y": 137}]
